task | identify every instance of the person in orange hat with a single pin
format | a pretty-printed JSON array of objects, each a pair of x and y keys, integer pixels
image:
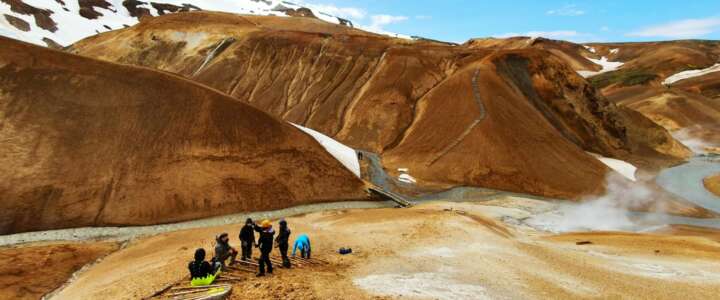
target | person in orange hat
[{"x": 265, "y": 243}]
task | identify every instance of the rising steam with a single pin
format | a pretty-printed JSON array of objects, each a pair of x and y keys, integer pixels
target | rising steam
[{"x": 611, "y": 211}]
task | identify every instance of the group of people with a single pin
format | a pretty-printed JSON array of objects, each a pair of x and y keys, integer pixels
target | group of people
[{"x": 203, "y": 272}]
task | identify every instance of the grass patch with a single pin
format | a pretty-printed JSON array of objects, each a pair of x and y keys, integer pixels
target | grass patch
[{"x": 623, "y": 77}]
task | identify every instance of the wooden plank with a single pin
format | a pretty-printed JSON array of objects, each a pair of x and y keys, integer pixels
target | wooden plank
[
  {"x": 390, "y": 195},
  {"x": 241, "y": 269},
  {"x": 247, "y": 262},
  {"x": 197, "y": 287}
]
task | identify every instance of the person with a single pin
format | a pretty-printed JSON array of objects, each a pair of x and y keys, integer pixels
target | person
[
  {"x": 302, "y": 242},
  {"x": 223, "y": 250},
  {"x": 282, "y": 241},
  {"x": 201, "y": 272},
  {"x": 247, "y": 239},
  {"x": 265, "y": 243}
]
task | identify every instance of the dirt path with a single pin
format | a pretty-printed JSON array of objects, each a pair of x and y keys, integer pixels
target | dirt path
[
  {"x": 441, "y": 250},
  {"x": 481, "y": 116}
]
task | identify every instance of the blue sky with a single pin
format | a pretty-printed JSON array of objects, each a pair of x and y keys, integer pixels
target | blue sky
[{"x": 579, "y": 21}]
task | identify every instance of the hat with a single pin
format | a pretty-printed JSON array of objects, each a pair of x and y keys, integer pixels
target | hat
[{"x": 266, "y": 224}]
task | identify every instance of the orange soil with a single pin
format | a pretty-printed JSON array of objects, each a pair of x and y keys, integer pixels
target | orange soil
[
  {"x": 29, "y": 272},
  {"x": 91, "y": 143},
  {"x": 456, "y": 244},
  {"x": 712, "y": 183}
]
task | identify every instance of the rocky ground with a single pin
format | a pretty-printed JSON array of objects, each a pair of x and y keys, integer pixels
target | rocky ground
[{"x": 439, "y": 250}]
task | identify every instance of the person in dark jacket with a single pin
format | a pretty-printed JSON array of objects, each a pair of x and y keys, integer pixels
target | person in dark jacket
[
  {"x": 199, "y": 268},
  {"x": 282, "y": 241},
  {"x": 265, "y": 243},
  {"x": 223, "y": 250},
  {"x": 247, "y": 239}
]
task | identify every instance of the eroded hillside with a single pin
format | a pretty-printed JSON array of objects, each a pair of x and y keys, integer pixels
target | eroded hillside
[
  {"x": 517, "y": 120},
  {"x": 91, "y": 143},
  {"x": 675, "y": 83}
]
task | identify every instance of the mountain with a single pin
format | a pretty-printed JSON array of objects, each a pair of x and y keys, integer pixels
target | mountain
[
  {"x": 518, "y": 120},
  {"x": 675, "y": 83},
  {"x": 92, "y": 143},
  {"x": 574, "y": 54},
  {"x": 58, "y": 23}
]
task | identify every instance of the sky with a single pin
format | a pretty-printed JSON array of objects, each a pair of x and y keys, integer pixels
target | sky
[{"x": 578, "y": 21}]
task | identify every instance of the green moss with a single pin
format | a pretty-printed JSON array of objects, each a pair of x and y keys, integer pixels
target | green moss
[{"x": 623, "y": 77}]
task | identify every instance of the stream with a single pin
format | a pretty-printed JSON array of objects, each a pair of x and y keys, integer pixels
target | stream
[
  {"x": 686, "y": 181},
  {"x": 124, "y": 233}
]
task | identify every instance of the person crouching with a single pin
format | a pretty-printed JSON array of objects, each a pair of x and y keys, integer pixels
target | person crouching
[
  {"x": 223, "y": 250},
  {"x": 302, "y": 243}
]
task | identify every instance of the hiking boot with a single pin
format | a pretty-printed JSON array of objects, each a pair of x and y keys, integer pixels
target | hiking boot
[{"x": 260, "y": 275}]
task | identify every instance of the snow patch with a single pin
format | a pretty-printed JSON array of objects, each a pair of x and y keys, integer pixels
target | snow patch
[
  {"x": 405, "y": 177},
  {"x": 614, "y": 51},
  {"x": 625, "y": 169},
  {"x": 73, "y": 27},
  {"x": 344, "y": 154},
  {"x": 591, "y": 49},
  {"x": 690, "y": 74},
  {"x": 420, "y": 285},
  {"x": 606, "y": 65}
]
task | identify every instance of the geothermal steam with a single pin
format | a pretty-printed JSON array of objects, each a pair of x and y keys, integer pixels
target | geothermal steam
[{"x": 611, "y": 211}]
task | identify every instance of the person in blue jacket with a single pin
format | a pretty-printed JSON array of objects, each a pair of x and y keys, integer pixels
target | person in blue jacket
[{"x": 302, "y": 242}]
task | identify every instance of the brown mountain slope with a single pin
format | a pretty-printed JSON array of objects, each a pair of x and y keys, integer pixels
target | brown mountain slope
[
  {"x": 689, "y": 104},
  {"x": 637, "y": 84},
  {"x": 574, "y": 54},
  {"x": 707, "y": 85},
  {"x": 661, "y": 59},
  {"x": 413, "y": 102},
  {"x": 90, "y": 143},
  {"x": 672, "y": 108}
]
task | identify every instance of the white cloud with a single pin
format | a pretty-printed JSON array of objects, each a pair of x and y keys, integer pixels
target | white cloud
[
  {"x": 569, "y": 10},
  {"x": 688, "y": 28},
  {"x": 343, "y": 12},
  {"x": 377, "y": 22},
  {"x": 605, "y": 28}
]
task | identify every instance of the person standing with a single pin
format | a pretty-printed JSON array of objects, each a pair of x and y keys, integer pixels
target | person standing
[
  {"x": 282, "y": 241},
  {"x": 247, "y": 239},
  {"x": 265, "y": 243},
  {"x": 302, "y": 242}
]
